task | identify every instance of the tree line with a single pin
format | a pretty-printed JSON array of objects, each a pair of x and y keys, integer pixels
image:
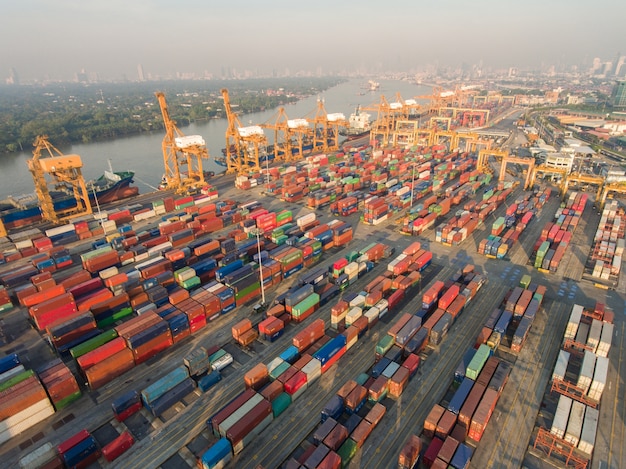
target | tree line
[{"x": 81, "y": 113}]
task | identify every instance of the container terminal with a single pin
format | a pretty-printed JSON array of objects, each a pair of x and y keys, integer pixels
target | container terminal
[{"x": 422, "y": 297}]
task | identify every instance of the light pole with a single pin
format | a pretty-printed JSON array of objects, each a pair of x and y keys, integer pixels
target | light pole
[
  {"x": 412, "y": 184},
  {"x": 258, "y": 245},
  {"x": 93, "y": 189}
]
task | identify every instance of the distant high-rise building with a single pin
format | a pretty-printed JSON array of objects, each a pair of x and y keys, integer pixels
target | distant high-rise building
[
  {"x": 140, "y": 73},
  {"x": 597, "y": 65},
  {"x": 13, "y": 78},
  {"x": 618, "y": 96},
  {"x": 81, "y": 77},
  {"x": 619, "y": 66}
]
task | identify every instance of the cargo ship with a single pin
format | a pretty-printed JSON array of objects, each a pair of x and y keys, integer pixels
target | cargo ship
[
  {"x": 360, "y": 125},
  {"x": 24, "y": 210}
]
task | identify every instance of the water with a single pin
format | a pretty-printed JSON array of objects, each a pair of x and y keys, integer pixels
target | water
[{"x": 142, "y": 153}]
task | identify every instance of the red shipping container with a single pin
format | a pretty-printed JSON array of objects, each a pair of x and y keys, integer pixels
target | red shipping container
[
  {"x": 72, "y": 441},
  {"x": 101, "y": 353},
  {"x": 292, "y": 385},
  {"x": 118, "y": 446}
]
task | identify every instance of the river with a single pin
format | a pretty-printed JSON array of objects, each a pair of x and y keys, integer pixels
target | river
[{"x": 142, "y": 153}]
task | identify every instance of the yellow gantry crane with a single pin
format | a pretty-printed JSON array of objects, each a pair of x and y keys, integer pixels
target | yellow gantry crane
[
  {"x": 182, "y": 155},
  {"x": 66, "y": 175},
  {"x": 292, "y": 137},
  {"x": 245, "y": 146},
  {"x": 326, "y": 128}
]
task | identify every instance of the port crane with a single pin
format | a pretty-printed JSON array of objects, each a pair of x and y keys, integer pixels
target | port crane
[
  {"x": 245, "y": 146},
  {"x": 66, "y": 174},
  {"x": 292, "y": 137},
  {"x": 326, "y": 128},
  {"x": 385, "y": 123},
  {"x": 542, "y": 168},
  {"x": 505, "y": 158},
  {"x": 182, "y": 155},
  {"x": 618, "y": 187}
]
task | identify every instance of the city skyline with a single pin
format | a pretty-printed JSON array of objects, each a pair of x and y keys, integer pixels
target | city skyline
[{"x": 152, "y": 39}]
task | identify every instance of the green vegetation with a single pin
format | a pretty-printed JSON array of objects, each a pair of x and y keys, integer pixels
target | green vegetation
[{"x": 74, "y": 112}]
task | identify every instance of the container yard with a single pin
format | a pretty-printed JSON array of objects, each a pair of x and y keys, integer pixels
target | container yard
[{"x": 397, "y": 303}]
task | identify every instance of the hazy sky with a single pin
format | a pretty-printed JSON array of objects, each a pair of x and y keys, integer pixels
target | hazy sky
[{"x": 111, "y": 37}]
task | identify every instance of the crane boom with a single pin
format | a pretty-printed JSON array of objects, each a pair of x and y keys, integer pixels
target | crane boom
[{"x": 182, "y": 155}]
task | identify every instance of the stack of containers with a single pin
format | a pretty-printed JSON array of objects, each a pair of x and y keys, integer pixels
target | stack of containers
[
  {"x": 605, "y": 258},
  {"x": 165, "y": 392},
  {"x": 60, "y": 384},
  {"x": 555, "y": 237},
  {"x": 80, "y": 450},
  {"x": 23, "y": 399},
  {"x": 244, "y": 333},
  {"x": 126, "y": 405},
  {"x": 106, "y": 362},
  {"x": 146, "y": 335},
  {"x": 271, "y": 328}
]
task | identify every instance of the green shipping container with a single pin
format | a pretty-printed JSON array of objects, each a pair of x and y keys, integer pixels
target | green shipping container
[
  {"x": 384, "y": 345},
  {"x": 284, "y": 215},
  {"x": 63, "y": 403},
  {"x": 18, "y": 378},
  {"x": 92, "y": 343},
  {"x": 97, "y": 252},
  {"x": 347, "y": 451},
  {"x": 216, "y": 356},
  {"x": 538, "y": 297},
  {"x": 362, "y": 379},
  {"x": 352, "y": 256},
  {"x": 279, "y": 370},
  {"x": 525, "y": 281},
  {"x": 280, "y": 240},
  {"x": 280, "y": 404},
  {"x": 477, "y": 363},
  {"x": 246, "y": 291},
  {"x": 310, "y": 301},
  {"x": 121, "y": 314},
  {"x": 179, "y": 272},
  {"x": 191, "y": 283}
]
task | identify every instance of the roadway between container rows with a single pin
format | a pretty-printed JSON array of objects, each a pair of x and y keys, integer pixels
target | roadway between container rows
[
  {"x": 514, "y": 434},
  {"x": 434, "y": 382}
]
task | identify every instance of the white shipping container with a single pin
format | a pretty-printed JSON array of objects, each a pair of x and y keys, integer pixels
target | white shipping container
[
  {"x": 7, "y": 434},
  {"x": 222, "y": 362},
  {"x": 27, "y": 243},
  {"x": 594, "y": 335},
  {"x": 590, "y": 427},
  {"x": 25, "y": 414},
  {"x": 305, "y": 219},
  {"x": 371, "y": 314},
  {"x": 108, "y": 273},
  {"x": 354, "y": 314},
  {"x": 312, "y": 370},
  {"x": 159, "y": 248},
  {"x": 599, "y": 378},
  {"x": 575, "y": 423},
  {"x": 38, "y": 457},
  {"x": 148, "y": 262},
  {"x": 189, "y": 141},
  {"x": 186, "y": 274},
  {"x": 561, "y": 416},
  {"x": 561, "y": 365},
  {"x": 605, "y": 340},
  {"x": 383, "y": 307},
  {"x": 275, "y": 363},
  {"x": 214, "y": 288},
  {"x": 358, "y": 300},
  {"x": 586, "y": 371},
  {"x": 57, "y": 230},
  {"x": 574, "y": 320},
  {"x": 351, "y": 268}
]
